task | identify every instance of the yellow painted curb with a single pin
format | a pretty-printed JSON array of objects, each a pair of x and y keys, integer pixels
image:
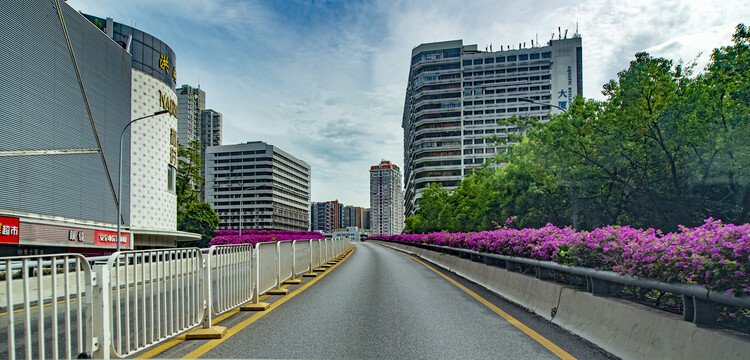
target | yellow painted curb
[
  {"x": 562, "y": 354},
  {"x": 261, "y": 306},
  {"x": 292, "y": 282},
  {"x": 320, "y": 269},
  {"x": 310, "y": 274},
  {"x": 213, "y": 343},
  {"x": 277, "y": 292},
  {"x": 214, "y": 332}
]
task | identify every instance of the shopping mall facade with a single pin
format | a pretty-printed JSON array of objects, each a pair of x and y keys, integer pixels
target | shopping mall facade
[{"x": 72, "y": 83}]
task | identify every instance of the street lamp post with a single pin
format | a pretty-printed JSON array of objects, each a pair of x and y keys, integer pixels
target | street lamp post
[{"x": 119, "y": 175}]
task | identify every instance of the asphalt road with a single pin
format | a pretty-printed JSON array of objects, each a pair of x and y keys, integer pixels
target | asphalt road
[{"x": 383, "y": 304}]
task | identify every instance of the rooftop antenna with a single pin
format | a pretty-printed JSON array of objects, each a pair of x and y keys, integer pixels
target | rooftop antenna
[
  {"x": 501, "y": 48},
  {"x": 524, "y": 44},
  {"x": 537, "y": 39},
  {"x": 577, "y": 34},
  {"x": 490, "y": 46},
  {"x": 553, "y": 36},
  {"x": 519, "y": 46},
  {"x": 559, "y": 34},
  {"x": 532, "y": 42},
  {"x": 566, "y": 34}
]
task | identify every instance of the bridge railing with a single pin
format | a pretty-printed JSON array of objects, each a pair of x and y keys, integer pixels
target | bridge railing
[
  {"x": 698, "y": 302},
  {"x": 142, "y": 298},
  {"x": 38, "y": 293},
  {"x": 133, "y": 300},
  {"x": 302, "y": 256},
  {"x": 229, "y": 279}
]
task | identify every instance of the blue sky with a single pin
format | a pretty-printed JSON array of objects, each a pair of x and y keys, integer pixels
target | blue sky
[{"x": 325, "y": 80}]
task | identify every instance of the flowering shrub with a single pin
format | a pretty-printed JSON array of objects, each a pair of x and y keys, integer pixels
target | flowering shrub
[
  {"x": 714, "y": 255},
  {"x": 231, "y": 237}
]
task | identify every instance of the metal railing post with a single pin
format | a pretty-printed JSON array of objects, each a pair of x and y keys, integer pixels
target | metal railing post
[
  {"x": 278, "y": 266},
  {"x": 101, "y": 292},
  {"x": 309, "y": 244},
  {"x": 256, "y": 275},
  {"x": 294, "y": 259},
  {"x": 207, "y": 289}
]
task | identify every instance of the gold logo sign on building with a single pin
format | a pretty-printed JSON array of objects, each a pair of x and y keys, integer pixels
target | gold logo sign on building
[{"x": 167, "y": 103}]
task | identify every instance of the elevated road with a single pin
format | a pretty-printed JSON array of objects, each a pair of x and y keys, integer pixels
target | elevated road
[{"x": 380, "y": 303}]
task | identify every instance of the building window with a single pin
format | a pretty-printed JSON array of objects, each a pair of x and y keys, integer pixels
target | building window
[
  {"x": 546, "y": 55},
  {"x": 512, "y": 58},
  {"x": 534, "y": 56},
  {"x": 478, "y": 62},
  {"x": 171, "y": 178},
  {"x": 489, "y": 60},
  {"x": 523, "y": 57},
  {"x": 500, "y": 59}
]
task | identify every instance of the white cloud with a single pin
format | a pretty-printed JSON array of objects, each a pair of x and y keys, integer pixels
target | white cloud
[{"x": 326, "y": 81}]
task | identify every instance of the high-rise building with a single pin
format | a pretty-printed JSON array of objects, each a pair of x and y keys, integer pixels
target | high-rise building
[
  {"x": 386, "y": 199},
  {"x": 255, "y": 185},
  {"x": 456, "y": 94},
  {"x": 60, "y": 160},
  {"x": 354, "y": 216},
  {"x": 190, "y": 103},
  {"x": 153, "y": 142},
  {"x": 366, "y": 219},
  {"x": 210, "y": 127},
  {"x": 327, "y": 216}
]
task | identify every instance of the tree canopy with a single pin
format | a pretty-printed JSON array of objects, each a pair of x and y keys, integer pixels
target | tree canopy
[
  {"x": 667, "y": 147},
  {"x": 192, "y": 214}
]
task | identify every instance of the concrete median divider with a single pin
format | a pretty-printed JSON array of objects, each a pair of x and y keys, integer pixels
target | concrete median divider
[{"x": 625, "y": 329}]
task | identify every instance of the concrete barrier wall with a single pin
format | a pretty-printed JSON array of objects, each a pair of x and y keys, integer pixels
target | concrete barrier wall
[{"x": 623, "y": 328}]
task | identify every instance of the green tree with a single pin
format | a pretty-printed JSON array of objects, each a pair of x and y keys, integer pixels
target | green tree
[
  {"x": 665, "y": 148},
  {"x": 200, "y": 218},
  {"x": 192, "y": 214},
  {"x": 189, "y": 178}
]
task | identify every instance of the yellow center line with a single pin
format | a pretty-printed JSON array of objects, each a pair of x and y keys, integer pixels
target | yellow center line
[
  {"x": 171, "y": 343},
  {"x": 237, "y": 328},
  {"x": 526, "y": 330}
]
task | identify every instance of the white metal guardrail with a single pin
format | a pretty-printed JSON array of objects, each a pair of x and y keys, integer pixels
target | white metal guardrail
[
  {"x": 47, "y": 291},
  {"x": 268, "y": 266},
  {"x": 146, "y": 297},
  {"x": 133, "y": 300},
  {"x": 302, "y": 257},
  {"x": 315, "y": 253},
  {"x": 229, "y": 279},
  {"x": 286, "y": 260}
]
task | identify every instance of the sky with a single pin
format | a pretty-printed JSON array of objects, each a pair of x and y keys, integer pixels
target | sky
[{"x": 325, "y": 80}]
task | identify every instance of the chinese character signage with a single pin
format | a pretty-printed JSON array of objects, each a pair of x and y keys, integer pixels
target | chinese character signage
[
  {"x": 8, "y": 230},
  {"x": 76, "y": 235},
  {"x": 107, "y": 238},
  {"x": 164, "y": 65},
  {"x": 173, "y": 147}
]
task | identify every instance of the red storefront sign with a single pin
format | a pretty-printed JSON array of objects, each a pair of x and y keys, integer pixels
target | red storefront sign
[
  {"x": 8, "y": 230},
  {"x": 107, "y": 238}
]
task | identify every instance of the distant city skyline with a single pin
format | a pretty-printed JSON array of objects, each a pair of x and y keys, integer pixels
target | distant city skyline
[{"x": 324, "y": 81}]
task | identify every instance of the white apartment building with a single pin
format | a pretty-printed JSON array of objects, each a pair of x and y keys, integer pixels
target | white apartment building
[
  {"x": 255, "y": 185},
  {"x": 386, "y": 199},
  {"x": 456, "y": 94},
  {"x": 191, "y": 101}
]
